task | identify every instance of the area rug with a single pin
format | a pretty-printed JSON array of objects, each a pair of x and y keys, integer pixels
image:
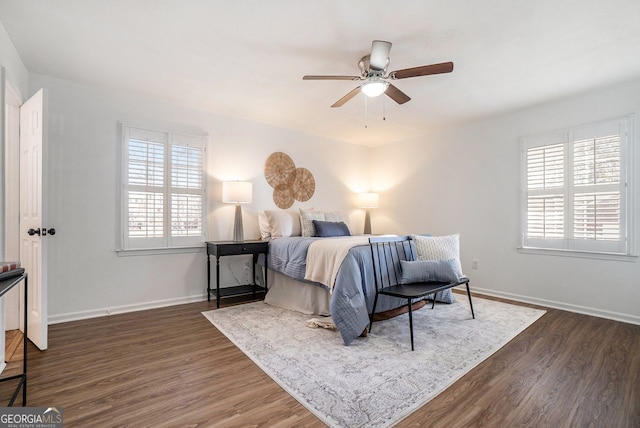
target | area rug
[{"x": 377, "y": 380}]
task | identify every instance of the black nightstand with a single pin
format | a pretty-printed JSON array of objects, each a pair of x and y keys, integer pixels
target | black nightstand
[{"x": 232, "y": 248}]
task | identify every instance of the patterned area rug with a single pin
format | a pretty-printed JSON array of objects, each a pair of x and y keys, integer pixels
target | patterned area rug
[{"x": 377, "y": 380}]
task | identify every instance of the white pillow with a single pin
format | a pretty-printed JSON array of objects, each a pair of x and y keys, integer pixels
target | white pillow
[
  {"x": 263, "y": 223},
  {"x": 336, "y": 216},
  {"x": 307, "y": 217},
  {"x": 306, "y": 221},
  {"x": 439, "y": 248},
  {"x": 283, "y": 223}
]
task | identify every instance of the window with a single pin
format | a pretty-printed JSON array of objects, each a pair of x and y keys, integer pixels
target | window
[
  {"x": 163, "y": 191},
  {"x": 576, "y": 187}
]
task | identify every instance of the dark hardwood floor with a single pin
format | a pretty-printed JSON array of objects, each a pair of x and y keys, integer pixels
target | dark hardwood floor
[{"x": 170, "y": 367}]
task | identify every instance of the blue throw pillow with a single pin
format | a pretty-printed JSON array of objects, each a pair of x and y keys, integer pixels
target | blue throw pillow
[
  {"x": 326, "y": 229},
  {"x": 428, "y": 270}
]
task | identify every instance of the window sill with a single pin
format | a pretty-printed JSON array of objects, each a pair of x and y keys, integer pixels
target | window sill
[
  {"x": 155, "y": 251},
  {"x": 578, "y": 254}
]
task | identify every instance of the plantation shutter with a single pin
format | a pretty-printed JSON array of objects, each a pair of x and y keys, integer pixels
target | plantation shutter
[
  {"x": 545, "y": 182},
  {"x": 574, "y": 189},
  {"x": 163, "y": 189},
  {"x": 596, "y": 176},
  {"x": 187, "y": 189},
  {"x": 146, "y": 164}
]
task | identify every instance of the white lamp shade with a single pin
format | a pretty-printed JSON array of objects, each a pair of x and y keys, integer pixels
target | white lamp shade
[
  {"x": 237, "y": 192},
  {"x": 368, "y": 200}
]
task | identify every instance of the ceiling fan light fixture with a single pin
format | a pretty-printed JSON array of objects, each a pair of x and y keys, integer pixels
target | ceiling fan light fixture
[
  {"x": 374, "y": 76},
  {"x": 374, "y": 88}
]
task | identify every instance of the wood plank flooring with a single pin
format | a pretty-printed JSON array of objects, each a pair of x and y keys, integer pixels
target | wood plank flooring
[{"x": 170, "y": 367}]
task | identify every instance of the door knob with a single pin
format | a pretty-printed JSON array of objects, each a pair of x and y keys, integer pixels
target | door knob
[
  {"x": 32, "y": 232},
  {"x": 51, "y": 231}
]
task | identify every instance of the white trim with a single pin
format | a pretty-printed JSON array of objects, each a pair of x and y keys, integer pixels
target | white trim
[
  {"x": 164, "y": 127},
  {"x": 615, "y": 316},
  {"x": 631, "y": 209},
  {"x": 578, "y": 254},
  {"x": 3, "y": 174},
  {"x": 11, "y": 92},
  {"x": 102, "y": 312},
  {"x": 585, "y": 310},
  {"x": 125, "y": 252},
  {"x": 14, "y": 311}
]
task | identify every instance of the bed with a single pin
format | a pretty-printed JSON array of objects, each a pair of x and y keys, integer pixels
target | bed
[
  {"x": 350, "y": 300},
  {"x": 348, "y": 290}
]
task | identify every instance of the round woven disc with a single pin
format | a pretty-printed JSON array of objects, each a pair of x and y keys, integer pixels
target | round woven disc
[
  {"x": 302, "y": 184},
  {"x": 282, "y": 196},
  {"x": 277, "y": 169}
]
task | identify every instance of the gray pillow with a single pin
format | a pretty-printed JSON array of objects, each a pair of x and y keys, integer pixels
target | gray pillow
[
  {"x": 330, "y": 228},
  {"x": 428, "y": 270}
]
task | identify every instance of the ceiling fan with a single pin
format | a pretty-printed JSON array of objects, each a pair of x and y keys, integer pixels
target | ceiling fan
[{"x": 372, "y": 72}]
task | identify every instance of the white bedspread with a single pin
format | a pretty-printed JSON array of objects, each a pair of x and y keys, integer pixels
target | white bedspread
[{"x": 325, "y": 256}]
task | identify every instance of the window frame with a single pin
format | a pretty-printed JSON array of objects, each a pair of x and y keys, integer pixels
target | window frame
[
  {"x": 165, "y": 243},
  {"x": 623, "y": 249}
]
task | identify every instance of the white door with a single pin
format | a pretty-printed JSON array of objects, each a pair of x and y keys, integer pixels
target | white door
[{"x": 33, "y": 239}]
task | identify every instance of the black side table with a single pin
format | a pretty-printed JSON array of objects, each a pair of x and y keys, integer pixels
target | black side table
[{"x": 233, "y": 248}]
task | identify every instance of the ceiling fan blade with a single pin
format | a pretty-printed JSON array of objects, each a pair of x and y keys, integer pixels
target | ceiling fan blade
[
  {"x": 379, "y": 58},
  {"x": 396, "y": 94},
  {"x": 425, "y": 70},
  {"x": 331, "y": 77},
  {"x": 347, "y": 97}
]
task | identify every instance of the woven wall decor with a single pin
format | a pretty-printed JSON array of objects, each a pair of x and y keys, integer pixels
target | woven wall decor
[
  {"x": 302, "y": 184},
  {"x": 278, "y": 168},
  {"x": 282, "y": 196},
  {"x": 289, "y": 183}
]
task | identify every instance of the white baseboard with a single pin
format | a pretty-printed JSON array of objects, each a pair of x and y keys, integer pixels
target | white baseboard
[
  {"x": 75, "y": 316},
  {"x": 585, "y": 310},
  {"x": 82, "y": 315}
]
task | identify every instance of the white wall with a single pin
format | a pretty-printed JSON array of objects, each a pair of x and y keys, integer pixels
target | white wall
[
  {"x": 467, "y": 180},
  {"x": 86, "y": 277},
  {"x": 10, "y": 60}
]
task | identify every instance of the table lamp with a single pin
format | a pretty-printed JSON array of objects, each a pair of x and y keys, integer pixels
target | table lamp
[
  {"x": 237, "y": 192},
  {"x": 368, "y": 200}
]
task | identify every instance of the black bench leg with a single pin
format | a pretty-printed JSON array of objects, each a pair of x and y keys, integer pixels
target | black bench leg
[
  {"x": 470, "y": 304},
  {"x": 410, "y": 322},
  {"x": 373, "y": 311}
]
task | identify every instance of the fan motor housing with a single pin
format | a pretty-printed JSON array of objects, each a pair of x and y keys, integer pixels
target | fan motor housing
[{"x": 365, "y": 67}]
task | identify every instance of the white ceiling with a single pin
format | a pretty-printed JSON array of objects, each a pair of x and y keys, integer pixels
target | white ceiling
[{"x": 246, "y": 58}]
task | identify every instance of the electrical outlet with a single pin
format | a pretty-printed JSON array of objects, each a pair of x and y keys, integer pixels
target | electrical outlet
[{"x": 474, "y": 264}]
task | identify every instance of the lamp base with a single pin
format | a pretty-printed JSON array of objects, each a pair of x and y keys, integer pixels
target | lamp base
[
  {"x": 238, "y": 229},
  {"x": 367, "y": 222}
]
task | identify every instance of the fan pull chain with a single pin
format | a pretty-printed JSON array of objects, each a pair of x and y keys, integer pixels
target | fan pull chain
[
  {"x": 366, "y": 117},
  {"x": 384, "y": 109}
]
